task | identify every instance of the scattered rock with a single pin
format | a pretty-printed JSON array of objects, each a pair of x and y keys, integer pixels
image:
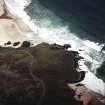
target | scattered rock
[
  {"x": 81, "y": 50},
  {"x": 83, "y": 73},
  {"x": 75, "y": 53},
  {"x": 26, "y": 44},
  {"x": 8, "y": 43},
  {"x": 103, "y": 49},
  {"x": 79, "y": 58},
  {"x": 34, "y": 75},
  {"x": 16, "y": 43},
  {"x": 66, "y": 46}
]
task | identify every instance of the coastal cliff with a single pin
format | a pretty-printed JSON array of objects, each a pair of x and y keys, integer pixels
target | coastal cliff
[
  {"x": 40, "y": 75},
  {"x": 28, "y": 73},
  {"x": 37, "y": 75}
]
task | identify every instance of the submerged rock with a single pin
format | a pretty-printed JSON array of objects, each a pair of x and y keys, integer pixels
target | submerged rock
[
  {"x": 103, "y": 48},
  {"x": 38, "y": 75},
  {"x": 101, "y": 71},
  {"x": 66, "y": 46},
  {"x": 56, "y": 46}
]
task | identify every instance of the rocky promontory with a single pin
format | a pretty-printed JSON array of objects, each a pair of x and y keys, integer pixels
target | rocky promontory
[
  {"x": 40, "y": 75},
  {"x": 33, "y": 75}
]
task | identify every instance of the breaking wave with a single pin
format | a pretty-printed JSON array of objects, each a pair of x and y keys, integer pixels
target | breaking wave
[{"x": 53, "y": 29}]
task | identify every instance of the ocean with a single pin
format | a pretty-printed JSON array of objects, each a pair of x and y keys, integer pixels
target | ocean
[
  {"x": 86, "y": 16},
  {"x": 79, "y": 23}
]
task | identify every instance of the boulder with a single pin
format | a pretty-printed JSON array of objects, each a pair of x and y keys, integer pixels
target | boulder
[
  {"x": 16, "y": 43},
  {"x": 8, "y": 43},
  {"x": 26, "y": 44}
]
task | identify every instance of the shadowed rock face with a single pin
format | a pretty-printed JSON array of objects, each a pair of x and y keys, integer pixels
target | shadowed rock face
[
  {"x": 101, "y": 71},
  {"x": 26, "y": 44},
  {"x": 33, "y": 75},
  {"x": 16, "y": 43}
]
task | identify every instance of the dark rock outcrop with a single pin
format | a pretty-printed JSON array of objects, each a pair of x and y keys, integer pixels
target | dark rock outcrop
[
  {"x": 8, "y": 43},
  {"x": 66, "y": 46},
  {"x": 26, "y": 44},
  {"x": 37, "y": 75},
  {"x": 101, "y": 71},
  {"x": 16, "y": 43},
  {"x": 103, "y": 48}
]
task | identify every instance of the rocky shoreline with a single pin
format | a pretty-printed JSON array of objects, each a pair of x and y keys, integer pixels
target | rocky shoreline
[
  {"x": 45, "y": 74},
  {"x": 39, "y": 75}
]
